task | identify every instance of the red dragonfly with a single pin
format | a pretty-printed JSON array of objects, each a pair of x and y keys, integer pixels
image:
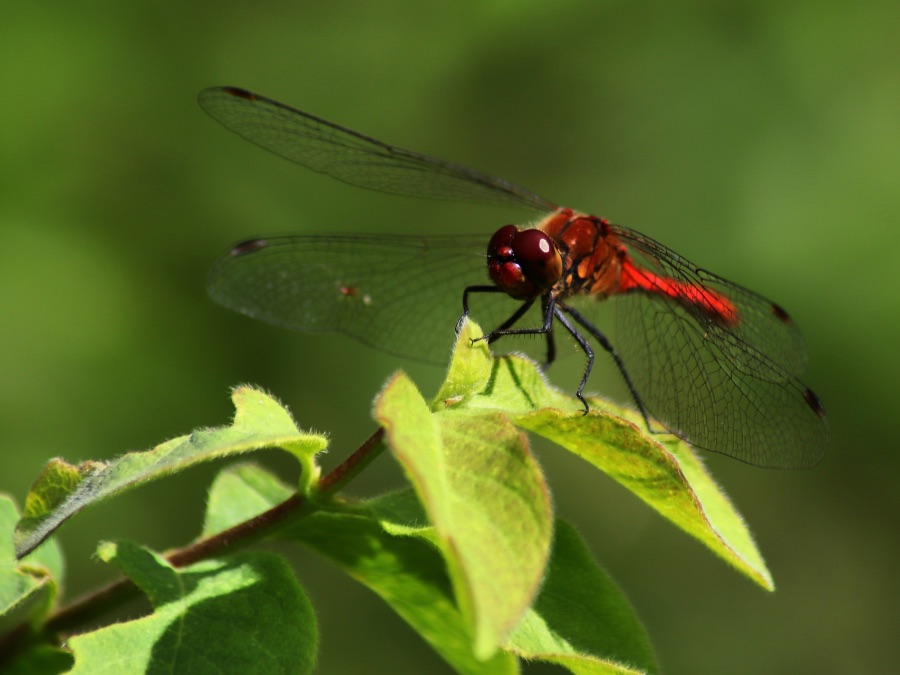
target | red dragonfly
[{"x": 717, "y": 364}]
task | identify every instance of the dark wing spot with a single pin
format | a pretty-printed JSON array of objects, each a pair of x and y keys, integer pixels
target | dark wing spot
[
  {"x": 240, "y": 93},
  {"x": 781, "y": 314},
  {"x": 248, "y": 246},
  {"x": 814, "y": 402}
]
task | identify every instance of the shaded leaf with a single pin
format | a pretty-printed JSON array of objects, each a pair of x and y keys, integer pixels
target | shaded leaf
[
  {"x": 41, "y": 660},
  {"x": 581, "y": 620},
  {"x": 239, "y": 493},
  {"x": 246, "y": 614},
  {"x": 28, "y": 587},
  {"x": 408, "y": 573}
]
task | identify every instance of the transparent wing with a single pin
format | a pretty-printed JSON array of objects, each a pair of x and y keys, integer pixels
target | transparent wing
[
  {"x": 732, "y": 390},
  {"x": 402, "y": 295},
  {"x": 354, "y": 158}
]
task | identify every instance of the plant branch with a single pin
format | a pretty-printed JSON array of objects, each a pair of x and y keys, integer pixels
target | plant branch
[
  {"x": 351, "y": 467},
  {"x": 89, "y": 607}
]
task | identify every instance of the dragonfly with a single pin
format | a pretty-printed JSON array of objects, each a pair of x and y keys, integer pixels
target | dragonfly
[{"x": 713, "y": 362}]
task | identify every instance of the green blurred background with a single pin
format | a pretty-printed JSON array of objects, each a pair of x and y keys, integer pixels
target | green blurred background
[{"x": 760, "y": 139}]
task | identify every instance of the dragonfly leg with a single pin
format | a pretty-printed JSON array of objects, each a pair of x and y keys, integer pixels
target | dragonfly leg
[
  {"x": 610, "y": 349},
  {"x": 510, "y": 322},
  {"x": 585, "y": 347},
  {"x": 551, "y": 344},
  {"x": 548, "y": 305},
  {"x": 465, "y": 301},
  {"x": 506, "y": 327}
]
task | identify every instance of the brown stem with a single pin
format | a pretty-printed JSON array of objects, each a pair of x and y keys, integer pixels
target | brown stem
[{"x": 342, "y": 474}]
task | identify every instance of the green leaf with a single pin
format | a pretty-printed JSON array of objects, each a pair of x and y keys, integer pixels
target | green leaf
[
  {"x": 362, "y": 538},
  {"x": 245, "y": 614},
  {"x": 28, "y": 587},
  {"x": 486, "y": 498},
  {"x": 659, "y": 468},
  {"x": 470, "y": 369},
  {"x": 581, "y": 620},
  {"x": 63, "y": 490},
  {"x": 667, "y": 475},
  {"x": 239, "y": 493},
  {"x": 40, "y": 660},
  {"x": 409, "y": 574},
  {"x": 476, "y": 380}
]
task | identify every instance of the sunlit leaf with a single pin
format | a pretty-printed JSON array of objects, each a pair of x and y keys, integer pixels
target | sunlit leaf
[
  {"x": 660, "y": 469},
  {"x": 63, "y": 490},
  {"x": 486, "y": 498}
]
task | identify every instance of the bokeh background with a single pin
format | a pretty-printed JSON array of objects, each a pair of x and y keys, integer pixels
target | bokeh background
[{"x": 761, "y": 139}]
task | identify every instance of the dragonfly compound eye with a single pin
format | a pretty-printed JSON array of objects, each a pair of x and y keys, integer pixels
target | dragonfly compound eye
[
  {"x": 524, "y": 263},
  {"x": 538, "y": 257}
]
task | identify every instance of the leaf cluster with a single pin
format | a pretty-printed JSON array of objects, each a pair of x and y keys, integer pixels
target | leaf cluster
[{"x": 469, "y": 553}]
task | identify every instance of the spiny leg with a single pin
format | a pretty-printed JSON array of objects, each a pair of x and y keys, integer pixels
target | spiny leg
[
  {"x": 585, "y": 347},
  {"x": 548, "y": 305},
  {"x": 518, "y": 314},
  {"x": 465, "y": 301},
  {"x": 551, "y": 343},
  {"x": 504, "y": 328},
  {"x": 611, "y": 350}
]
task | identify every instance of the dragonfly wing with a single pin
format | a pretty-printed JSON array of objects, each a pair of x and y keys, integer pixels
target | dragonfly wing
[
  {"x": 354, "y": 158},
  {"x": 729, "y": 389},
  {"x": 762, "y": 328},
  {"x": 689, "y": 378},
  {"x": 401, "y": 295}
]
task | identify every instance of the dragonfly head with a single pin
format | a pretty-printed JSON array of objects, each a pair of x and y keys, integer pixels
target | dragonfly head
[{"x": 524, "y": 263}]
